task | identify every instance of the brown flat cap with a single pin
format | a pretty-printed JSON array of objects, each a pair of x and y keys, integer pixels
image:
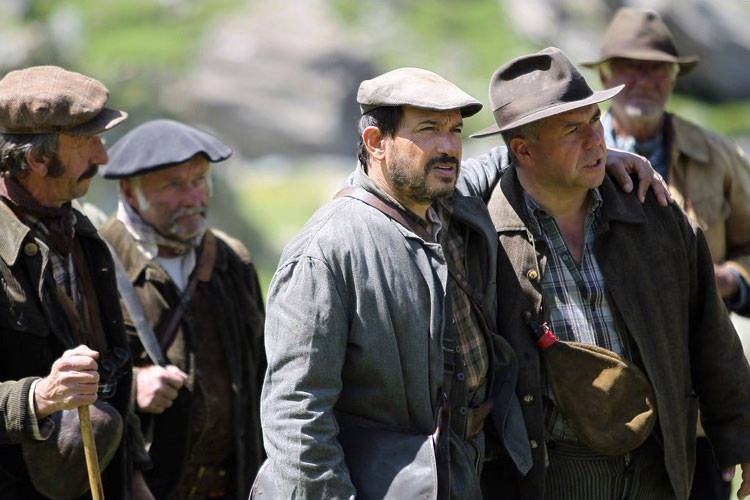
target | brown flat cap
[
  {"x": 57, "y": 465},
  {"x": 640, "y": 34},
  {"x": 536, "y": 86},
  {"x": 50, "y": 99},
  {"x": 414, "y": 87}
]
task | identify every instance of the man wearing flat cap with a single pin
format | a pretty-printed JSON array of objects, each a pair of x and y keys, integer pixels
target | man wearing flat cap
[
  {"x": 708, "y": 174},
  {"x": 380, "y": 318},
  {"x": 200, "y": 293},
  {"x": 62, "y": 338},
  {"x": 619, "y": 350}
]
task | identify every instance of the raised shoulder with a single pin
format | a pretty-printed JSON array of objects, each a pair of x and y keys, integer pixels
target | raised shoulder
[{"x": 236, "y": 245}]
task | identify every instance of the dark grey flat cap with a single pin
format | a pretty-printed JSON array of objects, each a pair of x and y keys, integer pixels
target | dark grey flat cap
[
  {"x": 414, "y": 87},
  {"x": 160, "y": 144}
]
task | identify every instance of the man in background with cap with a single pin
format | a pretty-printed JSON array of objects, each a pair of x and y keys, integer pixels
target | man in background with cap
[
  {"x": 201, "y": 295},
  {"x": 571, "y": 239},
  {"x": 708, "y": 174},
  {"x": 61, "y": 316}
]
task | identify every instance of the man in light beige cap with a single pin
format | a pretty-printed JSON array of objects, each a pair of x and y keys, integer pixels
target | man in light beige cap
[
  {"x": 62, "y": 342},
  {"x": 708, "y": 174},
  {"x": 370, "y": 392}
]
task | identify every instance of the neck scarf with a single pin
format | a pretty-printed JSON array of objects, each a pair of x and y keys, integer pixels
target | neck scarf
[
  {"x": 148, "y": 238},
  {"x": 54, "y": 225}
]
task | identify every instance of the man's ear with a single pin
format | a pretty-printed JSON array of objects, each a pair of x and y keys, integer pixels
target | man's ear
[
  {"x": 520, "y": 149},
  {"x": 37, "y": 162},
  {"x": 373, "y": 141},
  {"x": 128, "y": 192}
]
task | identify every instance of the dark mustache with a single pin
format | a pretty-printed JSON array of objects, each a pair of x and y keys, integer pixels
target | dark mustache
[
  {"x": 442, "y": 160},
  {"x": 90, "y": 172}
]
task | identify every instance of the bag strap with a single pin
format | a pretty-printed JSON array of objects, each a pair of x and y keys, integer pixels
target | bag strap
[
  {"x": 441, "y": 435},
  {"x": 202, "y": 272},
  {"x": 394, "y": 213}
]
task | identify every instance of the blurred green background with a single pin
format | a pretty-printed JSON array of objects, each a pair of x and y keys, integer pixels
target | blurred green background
[
  {"x": 135, "y": 47},
  {"x": 138, "y": 47}
]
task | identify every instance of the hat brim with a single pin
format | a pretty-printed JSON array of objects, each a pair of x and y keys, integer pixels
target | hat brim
[
  {"x": 107, "y": 119},
  {"x": 596, "y": 97},
  {"x": 686, "y": 63}
]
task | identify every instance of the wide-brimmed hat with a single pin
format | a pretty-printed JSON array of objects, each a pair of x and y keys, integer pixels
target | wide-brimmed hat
[
  {"x": 640, "y": 34},
  {"x": 57, "y": 465},
  {"x": 414, "y": 87},
  {"x": 50, "y": 99},
  {"x": 536, "y": 86},
  {"x": 161, "y": 144}
]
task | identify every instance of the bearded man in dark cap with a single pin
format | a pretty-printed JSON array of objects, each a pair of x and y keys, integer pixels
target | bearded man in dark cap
[
  {"x": 200, "y": 293},
  {"x": 61, "y": 321}
]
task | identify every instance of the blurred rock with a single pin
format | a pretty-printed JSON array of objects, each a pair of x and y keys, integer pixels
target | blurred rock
[{"x": 278, "y": 76}]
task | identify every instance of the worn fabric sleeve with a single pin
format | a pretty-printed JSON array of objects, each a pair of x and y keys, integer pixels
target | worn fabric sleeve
[{"x": 306, "y": 339}]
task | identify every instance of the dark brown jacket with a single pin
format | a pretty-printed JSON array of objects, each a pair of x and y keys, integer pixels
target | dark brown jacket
[
  {"x": 235, "y": 298},
  {"x": 34, "y": 332},
  {"x": 659, "y": 273}
]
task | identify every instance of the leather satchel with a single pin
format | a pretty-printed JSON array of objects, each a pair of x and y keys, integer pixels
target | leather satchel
[{"x": 606, "y": 400}]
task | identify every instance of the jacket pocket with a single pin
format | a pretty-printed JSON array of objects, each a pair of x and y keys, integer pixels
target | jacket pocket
[
  {"x": 710, "y": 210},
  {"x": 385, "y": 464}
]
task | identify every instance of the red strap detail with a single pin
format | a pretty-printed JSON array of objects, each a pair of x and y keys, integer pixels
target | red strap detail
[{"x": 546, "y": 339}]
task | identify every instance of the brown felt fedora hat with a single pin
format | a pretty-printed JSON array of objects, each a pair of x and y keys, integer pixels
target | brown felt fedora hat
[
  {"x": 416, "y": 87},
  {"x": 536, "y": 86},
  {"x": 50, "y": 99},
  {"x": 640, "y": 34}
]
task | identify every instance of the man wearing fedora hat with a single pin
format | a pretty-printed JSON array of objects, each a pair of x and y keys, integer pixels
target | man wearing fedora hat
[
  {"x": 569, "y": 280},
  {"x": 62, "y": 338},
  {"x": 201, "y": 295},
  {"x": 708, "y": 174}
]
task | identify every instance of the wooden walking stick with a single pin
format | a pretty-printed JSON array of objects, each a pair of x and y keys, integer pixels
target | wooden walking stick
[{"x": 89, "y": 449}]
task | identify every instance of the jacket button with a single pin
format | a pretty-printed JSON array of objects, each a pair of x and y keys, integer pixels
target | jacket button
[
  {"x": 31, "y": 249},
  {"x": 528, "y": 398},
  {"x": 532, "y": 274},
  {"x": 534, "y": 445}
]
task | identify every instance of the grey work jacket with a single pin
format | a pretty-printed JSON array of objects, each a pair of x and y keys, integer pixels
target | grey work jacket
[
  {"x": 659, "y": 274},
  {"x": 354, "y": 332}
]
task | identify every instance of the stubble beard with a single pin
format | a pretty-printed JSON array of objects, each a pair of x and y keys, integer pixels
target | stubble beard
[{"x": 413, "y": 185}]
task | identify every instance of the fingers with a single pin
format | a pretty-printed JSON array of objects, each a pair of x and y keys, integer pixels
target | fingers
[
  {"x": 73, "y": 381},
  {"x": 745, "y": 485},
  {"x": 175, "y": 376},
  {"x": 157, "y": 387}
]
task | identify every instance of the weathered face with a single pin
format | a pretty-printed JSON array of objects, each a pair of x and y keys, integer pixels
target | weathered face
[
  {"x": 69, "y": 173},
  {"x": 173, "y": 200},
  {"x": 423, "y": 159},
  {"x": 648, "y": 85},
  {"x": 569, "y": 154}
]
